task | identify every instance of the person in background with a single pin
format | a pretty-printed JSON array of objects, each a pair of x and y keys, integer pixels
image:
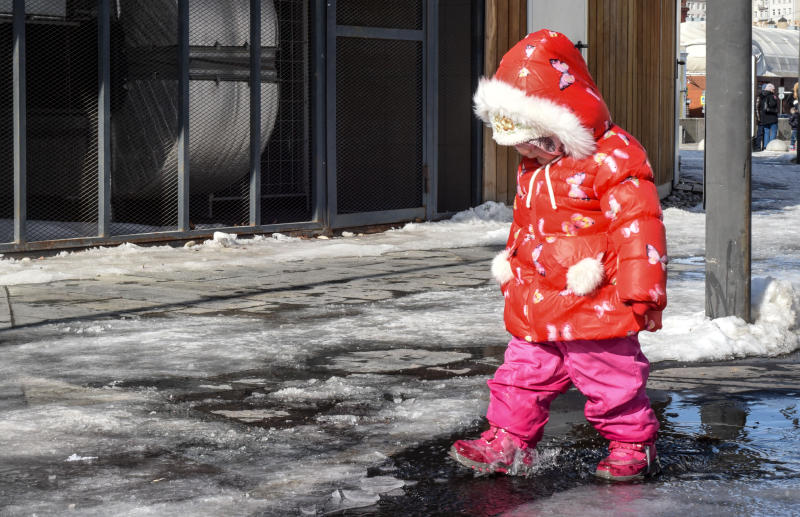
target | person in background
[
  {"x": 794, "y": 122},
  {"x": 584, "y": 269},
  {"x": 767, "y": 114}
]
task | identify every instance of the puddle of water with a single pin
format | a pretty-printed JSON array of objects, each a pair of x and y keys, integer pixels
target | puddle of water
[{"x": 720, "y": 456}]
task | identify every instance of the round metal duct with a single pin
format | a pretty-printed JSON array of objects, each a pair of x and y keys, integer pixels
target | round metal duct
[{"x": 145, "y": 119}]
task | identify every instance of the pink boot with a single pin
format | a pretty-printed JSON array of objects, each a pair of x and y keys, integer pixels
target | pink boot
[
  {"x": 495, "y": 451},
  {"x": 628, "y": 461}
]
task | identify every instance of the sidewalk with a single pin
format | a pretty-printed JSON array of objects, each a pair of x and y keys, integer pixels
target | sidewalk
[
  {"x": 306, "y": 387},
  {"x": 248, "y": 291},
  {"x": 281, "y": 287}
]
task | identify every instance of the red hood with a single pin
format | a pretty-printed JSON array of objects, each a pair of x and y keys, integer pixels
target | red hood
[{"x": 543, "y": 87}]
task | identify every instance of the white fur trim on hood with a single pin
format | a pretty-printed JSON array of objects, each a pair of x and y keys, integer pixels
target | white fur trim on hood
[
  {"x": 585, "y": 276},
  {"x": 501, "y": 268},
  {"x": 537, "y": 117}
]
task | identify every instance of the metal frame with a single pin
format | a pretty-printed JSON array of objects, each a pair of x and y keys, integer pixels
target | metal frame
[
  {"x": 183, "y": 115},
  {"x": 430, "y": 52},
  {"x": 256, "y": 76},
  {"x": 478, "y": 55},
  {"x": 20, "y": 126},
  {"x": 427, "y": 208},
  {"x": 255, "y": 112},
  {"x": 322, "y": 107},
  {"x": 152, "y": 237},
  {"x": 319, "y": 66},
  {"x": 104, "y": 119}
]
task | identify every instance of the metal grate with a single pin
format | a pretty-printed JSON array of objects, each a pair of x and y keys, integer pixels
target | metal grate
[
  {"x": 219, "y": 114},
  {"x": 61, "y": 88},
  {"x": 144, "y": 116},
  {"x": 6, "y": 131},
  {"x": 62, "y": 67},
  {"x": 285, "y": 161},
  {"x": 379, "y": 124},
  {"x": 455, "y": 101},
  {"x": 394, "y": 14}
]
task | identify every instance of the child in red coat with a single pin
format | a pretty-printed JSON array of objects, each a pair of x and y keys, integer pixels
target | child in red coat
[{"x": 584, "y": 269}]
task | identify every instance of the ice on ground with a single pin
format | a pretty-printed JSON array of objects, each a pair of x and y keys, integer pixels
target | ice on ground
[
  {"x": 393, "y": 360},
  {"x": 333, "y": 388},
  {"x": 250, "y": 415},
  {"x": 75, "y": 457},
  {"x": 484, "y": 225},
  {"x": 708, "y": 497},
  {"x": 381, "y": 484}
]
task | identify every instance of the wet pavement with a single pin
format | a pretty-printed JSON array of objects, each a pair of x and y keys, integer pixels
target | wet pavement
[{"x": 211, "y": 393}]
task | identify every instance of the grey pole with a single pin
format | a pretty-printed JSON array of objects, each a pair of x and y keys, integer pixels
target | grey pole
[
  {"x": 20, "y": 126},
  {"x": 183, "y": 115},
  {"x": 318, "y": 96},
  {"x": 255, "y": 112},
  {"x": 728, "y": 158},
  {"x": 104, "y": 119},
  {"x": 797, "y": 144}
]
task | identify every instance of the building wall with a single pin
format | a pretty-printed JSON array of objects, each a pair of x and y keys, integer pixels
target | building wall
[
  {"x": 695, "y": 85},
  {"x": 697, "y": 11},
  {"x": 632, "y": 49},
  {"x": 769, "y": 13},
  {"x": 505, "y": 25}
]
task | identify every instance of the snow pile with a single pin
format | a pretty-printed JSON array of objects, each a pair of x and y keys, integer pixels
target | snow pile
[
  {"x": 222, "y": 240},
  {"x": 489, "y": 212},
  {"x": 693, "y": 337},
  {"x": 335, "y": 388}
]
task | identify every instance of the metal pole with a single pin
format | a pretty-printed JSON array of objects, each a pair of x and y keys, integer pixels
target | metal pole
[
  {"x": 183, "y": 115},
  {"x": 20, "y": 126},
  {"x": 104, "y": 119},
  {"x": 431, "y": 89},
  {"x": 255, "y": 112},
  {"x": 330, "y": 114},
  {"x": 679, "y": 67},
  {"x": 478, "y": 27},
  {"x": 728, "y": 158},
  {"x": 318, "y": 94},
  {"x": 797, "y": 142}
]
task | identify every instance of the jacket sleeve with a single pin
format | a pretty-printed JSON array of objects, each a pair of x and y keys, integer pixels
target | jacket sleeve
[
  {"x": 758, "y": 109},
  {"x": 501, "y": 264},
  {"x": 629, "y": 200}
]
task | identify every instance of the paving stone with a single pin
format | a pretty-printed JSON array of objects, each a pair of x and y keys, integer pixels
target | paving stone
[{"x": 253, "y": 289}]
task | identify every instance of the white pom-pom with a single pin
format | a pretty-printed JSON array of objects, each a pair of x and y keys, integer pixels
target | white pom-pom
[
  {"x": 501, "y": 268},
  {"x": 585, "y": 276}
]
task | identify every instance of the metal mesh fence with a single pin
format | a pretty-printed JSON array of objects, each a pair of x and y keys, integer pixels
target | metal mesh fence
[
  {"x": 61, "y": 95},
  {"x": 285, "y": 161},
  {"x": 395, "y": 14},
  {"x": 6, "y": 130},
  {"x": 62, "y": 65},
  {"x": 379, "y": 124},
  {"x": 219, "y": 114},
  {"x": 144, "y": 116}
]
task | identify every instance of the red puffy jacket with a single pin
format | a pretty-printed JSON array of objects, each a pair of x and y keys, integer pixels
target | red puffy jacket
[{"x": 586, "y": 256}]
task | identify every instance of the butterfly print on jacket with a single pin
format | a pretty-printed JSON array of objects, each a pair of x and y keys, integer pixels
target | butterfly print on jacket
[{"x": 566, "y": 79}]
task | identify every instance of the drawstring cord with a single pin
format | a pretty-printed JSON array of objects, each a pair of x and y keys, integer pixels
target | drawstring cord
[
  {"x": 550, "y": 187},
  {"x": 549, "y": 184}
]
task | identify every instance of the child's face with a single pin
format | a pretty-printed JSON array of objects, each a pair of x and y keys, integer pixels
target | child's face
[{"x": 543, "y": 150}]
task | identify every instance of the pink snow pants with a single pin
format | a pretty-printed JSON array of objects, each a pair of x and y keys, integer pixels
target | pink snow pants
[{"x": 611, "y": 373}]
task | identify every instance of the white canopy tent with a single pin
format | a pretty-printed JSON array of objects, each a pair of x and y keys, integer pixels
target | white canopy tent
[{"x": 775, "y": 50}]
